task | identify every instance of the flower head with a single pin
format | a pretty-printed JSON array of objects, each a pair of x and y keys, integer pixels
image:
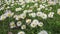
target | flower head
[
  {"x": 18, "y": 9},
  {"x": 22, "y": 16},
  {"x": 23, "y": 27},
  {"x": 40, "y": 24},
  {"x": 2, "y": 17},
  {"x": 32, "y": 14},
  {"x": 28, "y": 21},
  {"x": 21, "y": 32},
  {"x": 12, "y": 25},
  {"x": 17, "y": 17},
  {"x": 8, "y": 13},
  {"x": 19, "y": 23},
  {"x": 43, "y": 32},
  {"x": 44, "y": 16},
  {"x": 51, "y": 14},
  {"x": 34, "y": 23},
  {"x": 58, "y": 11}
]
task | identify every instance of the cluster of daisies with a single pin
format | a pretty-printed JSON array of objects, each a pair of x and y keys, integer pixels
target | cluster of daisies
[{"x": 27, "y": 14}]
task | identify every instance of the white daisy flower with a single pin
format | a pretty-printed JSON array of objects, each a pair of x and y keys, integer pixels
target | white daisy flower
[
  {"x": 32, "y": 14},
  {"x": 2, "y": 8},
  {"x": 40, "y": 24},
  {"x": 23, "y": 27},
  {"x": 45, "y": 5},
  {"x": 58, "y": 11},
  {"x": 21, "y": 32},
  {"x": 41, "y": 6},
  {"x": 50, "y": 8},
  {"x": 44, "y": 16},
  {"x": 33, "y": 25},
  {"x": 21, "y": 0},
  {"x": 12, "y": 4},
  {"x": 22, "y": 15},
  {"x": 36, "y": 5},
  {"x": 43, "y": 32},
  {"x": 8, "y": 13},
  {"x": 54, "y": 1},
  {"x": 2, "y": 17},
  {"x": 28, "y": 21},
  {"x": 22, "y": 3},
  {"x": 51, "y": 14},
  {"x": 39, "y": 14},
  {"x": 17, "y": 17},
  {"x": 38, "y": 9},
  {"x": 7, "y": 7},
  {"x": 19, "y": 23},
  {"x": 25, "y": 11},
  {"x": 12, "y": 25},
  {"x": 29, "y": 11},
  {"x": 8, "y": 1},
  {"x": 35, "y": 21},
  {"x": 18, "y": 9},
  {"x": 51, "y": 3},
  {"x": 31, "y": 7}
]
